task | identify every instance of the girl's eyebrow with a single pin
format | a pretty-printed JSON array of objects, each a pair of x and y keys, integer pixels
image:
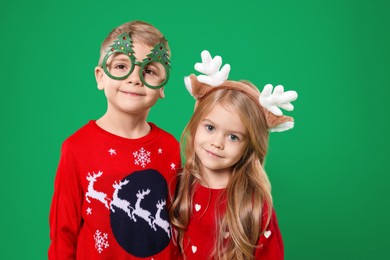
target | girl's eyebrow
[
  {"x": 236, "y": 132},
  {"x": 205, "y": 119}
]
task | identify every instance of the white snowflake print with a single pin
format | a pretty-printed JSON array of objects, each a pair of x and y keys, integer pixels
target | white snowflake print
[
  {"x": 142, "y": 157},
  {"x": 89, "y": 211},
  {"x": 173, "y": 166},
  {"x": 160, "y": 151},
  {"x": 112, "y": 151},
  {"x": 101, "y": 242}
]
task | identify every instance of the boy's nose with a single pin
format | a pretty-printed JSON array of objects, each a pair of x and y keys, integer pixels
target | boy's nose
[{"x": 134, "y": 77}]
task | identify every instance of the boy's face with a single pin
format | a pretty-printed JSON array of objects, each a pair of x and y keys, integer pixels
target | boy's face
[
  {"x": 129, "y": 95},
  {"x": 119, "y": 62}
]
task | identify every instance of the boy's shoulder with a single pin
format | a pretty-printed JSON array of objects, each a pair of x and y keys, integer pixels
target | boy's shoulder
[
  {"x": 83, "y": 133},
  {"x": 164, "y": 137},
  {"x": 163, "y": 133}
]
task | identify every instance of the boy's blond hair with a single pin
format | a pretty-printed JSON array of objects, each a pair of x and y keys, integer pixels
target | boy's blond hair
[{"x": 139, "y": 31}]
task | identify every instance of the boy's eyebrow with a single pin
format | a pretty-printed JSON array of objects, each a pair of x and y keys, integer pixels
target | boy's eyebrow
[
  {"x": 229, "y": 130},
  {"x": 120, "y": 57},
  {"x": 154, "y": 66},
  {"x": 119, "y": 54}
]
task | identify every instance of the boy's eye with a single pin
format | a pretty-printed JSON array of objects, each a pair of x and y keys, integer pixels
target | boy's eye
[
  {"x": 210, "y": 128},
  {"x": 120, "y": 66},
  {"x": 149, "y": 71},
  {"x": 154, "y": 69},
  {"x": 233, "y": 138}
]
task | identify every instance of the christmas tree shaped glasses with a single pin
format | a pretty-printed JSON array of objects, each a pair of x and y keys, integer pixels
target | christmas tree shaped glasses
[{"x": 119, "y": 62}]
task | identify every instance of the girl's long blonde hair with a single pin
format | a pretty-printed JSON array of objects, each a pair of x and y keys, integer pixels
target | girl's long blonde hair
[{"x": 248, "y": 188}]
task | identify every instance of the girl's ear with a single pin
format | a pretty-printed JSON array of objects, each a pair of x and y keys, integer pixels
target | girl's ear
[
  {"x": 99, "y": 73},
  {"x": 162, "y": 94}
]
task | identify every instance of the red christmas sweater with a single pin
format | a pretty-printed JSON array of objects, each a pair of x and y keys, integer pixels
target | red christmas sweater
[
  {"x": 200, "y": 236},
  {"x": 111, "y": 194}
]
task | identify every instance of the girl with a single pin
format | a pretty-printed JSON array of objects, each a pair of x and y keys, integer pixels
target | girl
[{"x": 223, "y": 207}]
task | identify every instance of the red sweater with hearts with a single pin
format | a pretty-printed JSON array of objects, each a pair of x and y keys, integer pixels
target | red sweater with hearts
[{"x": 200, "y": 236}]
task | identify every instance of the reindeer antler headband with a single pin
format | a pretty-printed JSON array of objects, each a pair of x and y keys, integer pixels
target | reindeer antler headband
[{"x": 268, "y": 102}]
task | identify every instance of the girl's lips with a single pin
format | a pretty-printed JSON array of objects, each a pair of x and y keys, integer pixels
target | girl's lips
[{"x": 213, "y": 154}]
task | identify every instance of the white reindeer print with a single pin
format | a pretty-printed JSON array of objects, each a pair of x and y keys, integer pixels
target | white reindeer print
[
  {"x": 121, "y": 203},
  {"x": 162, "y": 222},
  {"x": 92, "y": 193},
  {"x": 140, "y": 212}
]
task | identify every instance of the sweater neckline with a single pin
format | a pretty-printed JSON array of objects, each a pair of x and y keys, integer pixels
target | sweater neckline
[
  {"x": 150, "y": 136},
  {"x": 204, "y": 189}
]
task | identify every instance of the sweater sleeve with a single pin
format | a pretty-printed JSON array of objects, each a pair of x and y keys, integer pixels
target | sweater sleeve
[
  {"x": 65, "y": 212},
  {"x": 270, "y": 245}
]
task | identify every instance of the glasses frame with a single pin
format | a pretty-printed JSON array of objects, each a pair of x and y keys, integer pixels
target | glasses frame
[{"x": 134, "y": 62}]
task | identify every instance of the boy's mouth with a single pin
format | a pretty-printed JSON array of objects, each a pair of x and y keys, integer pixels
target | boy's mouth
[{"x": 132, "y": 93}]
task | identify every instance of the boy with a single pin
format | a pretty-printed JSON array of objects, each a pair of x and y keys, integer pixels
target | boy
[{"x": 111, "y": 188}]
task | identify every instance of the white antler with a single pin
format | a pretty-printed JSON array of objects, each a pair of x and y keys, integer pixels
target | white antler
[
  {"x": 143, "y": 193},
  {"x": 279, "y": 98},
  {"x": 211, "y": 68},
  {"x": 160, "y": 204}
]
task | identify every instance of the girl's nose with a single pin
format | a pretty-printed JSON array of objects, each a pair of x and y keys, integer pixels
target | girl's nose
[{"x": 217, "y": 141}]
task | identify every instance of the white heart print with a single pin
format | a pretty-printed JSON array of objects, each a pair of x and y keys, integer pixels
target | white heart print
[
  {"x": 197, "y": 207},
  {"x": 267, "y": 234},
  {"x": 194, "y": 248}
]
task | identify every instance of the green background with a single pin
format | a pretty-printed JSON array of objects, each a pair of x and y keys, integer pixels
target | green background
[{"x": 330, "y": 174}]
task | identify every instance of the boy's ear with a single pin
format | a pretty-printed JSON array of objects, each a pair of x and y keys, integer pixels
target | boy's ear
[
  {"x": 99, "y": 73},
  {"x": 162, "y": 94}
]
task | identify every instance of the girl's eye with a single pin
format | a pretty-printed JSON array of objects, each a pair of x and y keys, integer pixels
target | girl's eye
[
  {"x": 210, "y": 128},
  {"x": 233, "y": 138}
]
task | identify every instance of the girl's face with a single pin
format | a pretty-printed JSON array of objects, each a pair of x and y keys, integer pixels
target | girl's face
[{"x": 220, "y": 141}]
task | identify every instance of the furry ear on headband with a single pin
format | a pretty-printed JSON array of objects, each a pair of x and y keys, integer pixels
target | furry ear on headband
[{"x": 268, "y": 102}]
